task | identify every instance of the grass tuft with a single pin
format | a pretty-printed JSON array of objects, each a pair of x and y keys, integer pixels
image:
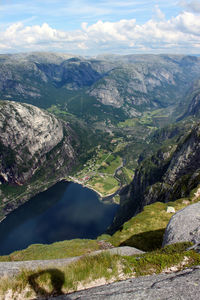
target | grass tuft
[{"x": 90, "y": 269}]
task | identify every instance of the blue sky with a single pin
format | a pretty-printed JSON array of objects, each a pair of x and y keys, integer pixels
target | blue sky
[
  {"x": 68, "y": 15},
  {"x": 91, "y": 27}
]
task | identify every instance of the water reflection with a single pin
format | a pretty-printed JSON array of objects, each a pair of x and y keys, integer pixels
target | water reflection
[{"x": 65, "y": 211}]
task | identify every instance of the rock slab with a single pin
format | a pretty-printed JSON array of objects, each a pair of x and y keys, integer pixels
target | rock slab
[
  {"x": 181, "y": 285},
  {"x": 184, "y": 226},
  {"x": 14, "y": 267}
]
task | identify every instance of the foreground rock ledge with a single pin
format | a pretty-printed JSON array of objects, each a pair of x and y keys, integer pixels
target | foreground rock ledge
[
  {"x": 181, "y": 285},
  {"x": 184, "y": 226},
  {"x": 12, "y": 268}
]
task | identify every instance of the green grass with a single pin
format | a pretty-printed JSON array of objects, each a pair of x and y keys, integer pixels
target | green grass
[
  {"x": 110, "y": 164},
  {"x": 105, "y": 185},
  {"x": 157, "y": 261},
  {"x": 125, "y": 176},
  {"x": 128, "y": 123},
  {"x": 55, "y": 281},
  {"x": 145, "y": 231},
  {"x": 128, "y": 173},
  {"x": 62, "y": 249},
  {"x": 147, "y": 118},
  {"x": 87, "y": 270}
]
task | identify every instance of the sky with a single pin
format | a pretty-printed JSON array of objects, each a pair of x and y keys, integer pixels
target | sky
[{"x": 89, "y": 27}]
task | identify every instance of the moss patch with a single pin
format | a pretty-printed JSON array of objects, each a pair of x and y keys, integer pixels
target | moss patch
[
  {"x": 56, "y": 250},
  {"x": 145, "y": 231}
]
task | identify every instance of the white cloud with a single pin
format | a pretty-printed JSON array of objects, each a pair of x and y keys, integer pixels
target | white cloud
[
  {"x": 110, "y": 31},
  {"x": 158, "y": 13},
  {"x": 193, "y": 6},
  {"x": 178, "y": 34}
]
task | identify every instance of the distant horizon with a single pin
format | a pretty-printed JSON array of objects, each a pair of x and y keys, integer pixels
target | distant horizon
[
  {"x": 88, "y": 27},
  {"x": 95, "y": 55}
]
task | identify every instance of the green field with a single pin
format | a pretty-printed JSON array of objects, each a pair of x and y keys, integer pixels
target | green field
[
  {"x": 110, "y": 164},
  {"x": 104, "y": 184}
]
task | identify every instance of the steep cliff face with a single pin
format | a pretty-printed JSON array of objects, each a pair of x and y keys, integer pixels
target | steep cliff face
[
  {"x": 190, "y": 105},
  {"x": 140, "y": 82},
  {"x": 128, "y": 84},
  {"x": 186, "y": 159},
  {"x": 32, "y": 142},
  {"x": 194, "y": 107},
  {"x": 169, "y": 174}
]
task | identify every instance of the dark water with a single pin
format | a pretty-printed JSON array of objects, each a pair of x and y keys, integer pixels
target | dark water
[{"x": 65, "y": 211}]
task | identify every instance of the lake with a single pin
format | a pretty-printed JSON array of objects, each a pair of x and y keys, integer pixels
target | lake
[{"x": 63, "y": 212}]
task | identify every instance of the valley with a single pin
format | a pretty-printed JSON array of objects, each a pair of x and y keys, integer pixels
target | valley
[
  {"x": 113, "y": 147},
  {"x": 112, "y": 106},
  {"x": 94, "y": 153},
  {"x": 126, "y": 127}
]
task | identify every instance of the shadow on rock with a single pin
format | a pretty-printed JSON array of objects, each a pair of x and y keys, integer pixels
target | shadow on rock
[
  {"x": 146, "y": 241},
  {"x": 57, "y": 279}
]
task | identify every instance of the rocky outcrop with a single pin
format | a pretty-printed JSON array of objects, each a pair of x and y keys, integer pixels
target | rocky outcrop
[
  {"x": 169, "y": 174},
  {"x": 27, "y": 134},
  {"x": 179, "y": 285},
  {"x": 191, "y": 104},
  {"x": 184, "y": 226},
  {"x": 131, "y": 84},
  {"x": 194, "y": 107},
  {"x": 14, "y": 267},
  {"x": 32, "y": 143},
  {"x": 144, "y": 81},
  {"x": 186, "y": 159}
]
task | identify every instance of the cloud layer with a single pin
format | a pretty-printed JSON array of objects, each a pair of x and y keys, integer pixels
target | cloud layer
[{"x": 180, "y": 34}]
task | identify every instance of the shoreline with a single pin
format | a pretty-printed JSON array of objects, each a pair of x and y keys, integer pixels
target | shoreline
[
  {"x": 31, "y": 193},
  {"x": 102, "y": 197}
]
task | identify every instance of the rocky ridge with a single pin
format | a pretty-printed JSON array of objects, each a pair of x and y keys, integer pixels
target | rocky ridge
[
  {"x": 131, "y": 83},
  {"x": 171, "y": 173},
  {"x": 32, "y": 140}
]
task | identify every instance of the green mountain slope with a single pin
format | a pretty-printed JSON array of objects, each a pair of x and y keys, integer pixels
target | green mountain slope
[
  {"x": 163, "y": 174},
  {"x": 95, "y": 89}
]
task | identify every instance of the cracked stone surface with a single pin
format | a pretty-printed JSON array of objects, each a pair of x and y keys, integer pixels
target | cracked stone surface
[
  {"x": 175, "y": 286},
  {"x": 184, "y": 226}
]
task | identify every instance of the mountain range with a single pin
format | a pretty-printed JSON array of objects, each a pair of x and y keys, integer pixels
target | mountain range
[
  {"x": 158, "y": 95},
  {"x": 102, "y": 88}
]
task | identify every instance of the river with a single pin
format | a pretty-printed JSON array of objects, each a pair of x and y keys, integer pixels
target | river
[{"x": 63, "y": 212}]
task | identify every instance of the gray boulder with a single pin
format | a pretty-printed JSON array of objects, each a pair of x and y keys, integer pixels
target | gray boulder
[
  {"x": 124, "y": 251},
  {"x": 184, "y": 226}
]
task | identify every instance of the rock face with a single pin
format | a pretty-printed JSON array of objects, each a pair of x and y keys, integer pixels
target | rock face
[
  {"x": 32, "y": 141},
  {"x": 194, "y": 107},
  {"x": 128, "y": 84},
  {"x": 186, "y": 158},
  {"x": 192, "y": 100},
  {"x": 180, "y": 285},
  {"x": 184, "y": 226},
  {"x": 27, "y": 134},
  {"x": 171, "y": 173}
]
